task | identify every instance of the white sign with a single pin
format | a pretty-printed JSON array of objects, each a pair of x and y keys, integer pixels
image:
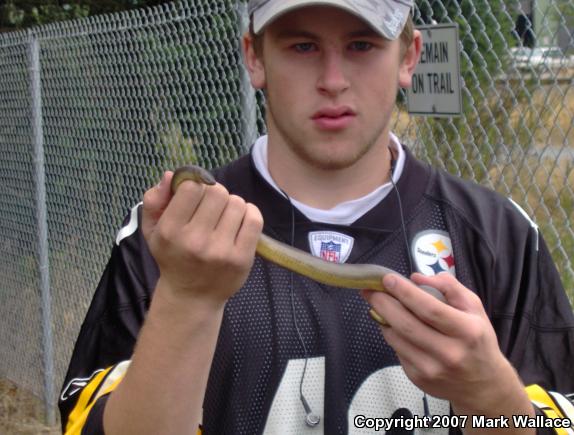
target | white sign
[{"x": 435, "y": 88}]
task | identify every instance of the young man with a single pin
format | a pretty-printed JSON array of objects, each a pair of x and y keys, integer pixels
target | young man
[{"x": 241, "y": 346}]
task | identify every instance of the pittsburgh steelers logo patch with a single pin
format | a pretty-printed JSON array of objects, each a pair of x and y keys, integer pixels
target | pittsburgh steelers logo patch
[{"x": 432, "y": 252}]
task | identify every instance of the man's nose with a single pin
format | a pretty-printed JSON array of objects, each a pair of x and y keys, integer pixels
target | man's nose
[{"x": 333, "y": 78}]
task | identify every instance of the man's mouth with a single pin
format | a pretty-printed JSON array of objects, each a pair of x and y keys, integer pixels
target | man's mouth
[
  {"x": 333, "y": 118},
  {"x": 334, "y": 112}
]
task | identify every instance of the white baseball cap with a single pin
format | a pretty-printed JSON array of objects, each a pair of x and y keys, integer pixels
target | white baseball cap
[{"x": 387, "y": 17}]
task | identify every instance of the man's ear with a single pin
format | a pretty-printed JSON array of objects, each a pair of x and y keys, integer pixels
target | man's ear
[
  {"x": 253, "y": 62},
  {"x": 410, "y": 60}
]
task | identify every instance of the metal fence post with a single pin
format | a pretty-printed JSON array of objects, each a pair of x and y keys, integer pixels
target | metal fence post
[
  {"x": 44, "y": 263},
  {"x": 248, "y": 100}
]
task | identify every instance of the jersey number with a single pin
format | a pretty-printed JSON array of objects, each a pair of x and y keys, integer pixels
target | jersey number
[{"x": 386, "y": 393}]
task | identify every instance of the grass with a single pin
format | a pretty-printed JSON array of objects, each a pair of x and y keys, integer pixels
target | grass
[{"x": 21, "y": 413}]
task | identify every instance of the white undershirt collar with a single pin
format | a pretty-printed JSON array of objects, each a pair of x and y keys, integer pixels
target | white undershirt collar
[{"x": 346, "y": 212}]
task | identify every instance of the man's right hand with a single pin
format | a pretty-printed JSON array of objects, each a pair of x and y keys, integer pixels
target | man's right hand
[{"x": 202, "y": 238}]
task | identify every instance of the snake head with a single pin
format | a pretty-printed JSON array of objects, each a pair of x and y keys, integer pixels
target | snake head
[{"x": 193, "y": 173}]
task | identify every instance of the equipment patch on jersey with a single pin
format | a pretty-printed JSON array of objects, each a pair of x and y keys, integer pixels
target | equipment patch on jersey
[
  {"x": 331, "y": 246},
  {"x": 432, "y": 251}
]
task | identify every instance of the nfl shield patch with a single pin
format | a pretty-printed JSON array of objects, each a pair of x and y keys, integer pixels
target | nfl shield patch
[
  {"x": 331, "y": 251},
  {"x": 330, "y": 245}
]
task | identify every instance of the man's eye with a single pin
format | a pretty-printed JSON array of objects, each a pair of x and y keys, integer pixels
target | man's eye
[
  {"x": 304, "y": 47},
  {"x": 361, "y": 45}
]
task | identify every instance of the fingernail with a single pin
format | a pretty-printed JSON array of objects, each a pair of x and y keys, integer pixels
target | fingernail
[
  {"x": 389, "y": 281},
  {"x": 160, "y": 182}
]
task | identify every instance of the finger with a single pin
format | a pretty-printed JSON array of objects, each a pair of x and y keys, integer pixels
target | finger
[
  {"x": 387, "y": 308},
  {"x": 414, "y": 360},
  {"x": 250, "y": 230},
  {"x": 183, "y": 204},
  {"x": 455, "y": 293},
  {"x": 408, "y": 325},
  {"x": 441, "y": 316},
  {"x": 155, "y": 201},
  {"x": 210, "y": 208},
  {"x": 418, "y": 363},
  {"x": 231, "y": 218}
]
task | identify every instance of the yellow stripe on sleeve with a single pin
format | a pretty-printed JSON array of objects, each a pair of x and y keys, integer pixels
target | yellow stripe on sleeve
[
  {"x": 85, "y": 396},
  {"x": 104, "y": 383},
  {"x": 79, "y": 415},
  {"x": 547, "y": 404},
  {"x": 75, "y": 428}
]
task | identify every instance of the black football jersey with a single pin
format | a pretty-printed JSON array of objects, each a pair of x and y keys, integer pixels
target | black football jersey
[{"x": 282, "y": 332}]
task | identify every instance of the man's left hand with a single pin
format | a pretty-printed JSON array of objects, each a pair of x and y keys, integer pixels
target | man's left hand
[{"x": 449, "y": 350}]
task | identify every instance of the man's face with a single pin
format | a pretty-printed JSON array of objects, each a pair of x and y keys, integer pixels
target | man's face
[{"x": 331, "y": 83}]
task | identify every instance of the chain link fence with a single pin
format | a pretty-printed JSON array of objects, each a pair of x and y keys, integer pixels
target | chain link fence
[{"x": 92, "y": 111}]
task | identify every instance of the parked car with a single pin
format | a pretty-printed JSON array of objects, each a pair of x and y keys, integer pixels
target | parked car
[{"x": 540, "y": 57}]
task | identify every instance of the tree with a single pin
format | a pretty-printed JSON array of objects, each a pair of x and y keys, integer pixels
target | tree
[{"x": 18, "y": 14}]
